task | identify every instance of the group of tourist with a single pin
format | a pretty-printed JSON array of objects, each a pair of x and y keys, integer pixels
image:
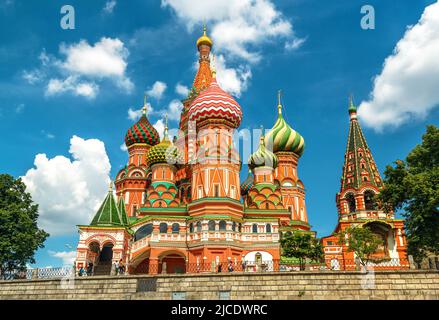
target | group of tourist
[
  {"x": 119, "y": 267},
  {"x": 86, "y": 272}
]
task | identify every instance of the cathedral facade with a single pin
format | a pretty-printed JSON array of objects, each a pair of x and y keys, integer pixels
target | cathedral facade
[{"x": 179, "y": 205}]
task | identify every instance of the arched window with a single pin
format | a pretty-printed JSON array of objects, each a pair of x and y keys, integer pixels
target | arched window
[
  {"x": 351, "y": 202},
  {"x": 175, "y": 228},
  {"x": 234, "y": 226},
  {"x": 199, "y": 226},
  {"x": 191, "y": 227},
  {"x": 239, "y": 227},
  {"x": 255, "y": 228},
  {"x": 369, "y": 200},
  {"x": 211, "y": 225},
  {"x": 222, "y": 225},
  {"x": 143, "y": 232},
  {"x": 163, "y": 228},
  {"x": 268, "y": 228}
]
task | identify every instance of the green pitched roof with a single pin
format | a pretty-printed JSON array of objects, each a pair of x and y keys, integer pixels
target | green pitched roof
[
  {"x": 122, "y": 211},
  {"x": 108, "y": 213}
]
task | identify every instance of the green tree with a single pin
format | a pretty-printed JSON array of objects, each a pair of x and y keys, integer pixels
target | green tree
[
  {"x": 413, "y": 187},
  {"x": 360, "y": 240},
  {"x": 302, "y": 246},
  {"x": 19, "y": 233}
]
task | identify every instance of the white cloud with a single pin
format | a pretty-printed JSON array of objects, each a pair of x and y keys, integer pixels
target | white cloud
[
  {"x": 109, "y": 6},
  {"x": 407, "y": 87},
  {"x": 294, "y": 44},
  {"x": 135, "y": 114},
  {"x": 181, "y": 90},
  {"x": 33, "y": 76},
  {"x": 72, "y": 84},
  {"x": 83, "y": 68},
  {"x": 69, "y": 191},
  {"x": 67, "y": 257},
  {"x": 123, "y": 147},
  {"x": 105, "y": 59},
  {"x": 232, "y": 80},
  {"x": 157, "y": 90},
  {"x": 258, "y": 22},
  {"x": 160, "y": 127},
  {"x": 239, "y": 28}
]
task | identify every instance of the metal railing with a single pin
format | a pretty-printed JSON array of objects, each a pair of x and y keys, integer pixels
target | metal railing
[
  {"x": 38, "y": 273},
  {"x": 336, "y": 264}
]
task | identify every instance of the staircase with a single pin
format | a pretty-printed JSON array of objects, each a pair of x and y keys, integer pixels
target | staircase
[{"x": 102, "y": 269}]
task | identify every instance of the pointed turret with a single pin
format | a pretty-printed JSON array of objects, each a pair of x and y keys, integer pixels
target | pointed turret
[
  {"x": 108, "y": 213},
  {"x": 359, "y": 168}
]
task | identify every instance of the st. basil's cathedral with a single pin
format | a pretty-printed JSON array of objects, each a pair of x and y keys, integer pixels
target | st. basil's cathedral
[{"x": 179, "y": 205}]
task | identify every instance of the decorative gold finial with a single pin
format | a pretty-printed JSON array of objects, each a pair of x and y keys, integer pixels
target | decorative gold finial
[
  {"x": 204, "y": 39},
  {"x": 110, "y": 187},
  {"x": 145, "y": 106},
  {"x": 279, "y": 102},
  {"x": 262, "y": 138},
  {"x": 165, "y": 135}
]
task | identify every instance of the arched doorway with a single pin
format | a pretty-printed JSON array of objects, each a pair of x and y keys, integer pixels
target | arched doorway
[
  {"x": 172, "y": 263},
  {"x": 106, "y": 254},
  {"x": 384, "y": 232}
]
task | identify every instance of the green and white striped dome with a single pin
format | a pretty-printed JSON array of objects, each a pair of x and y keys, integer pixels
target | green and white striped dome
[
  {"x": 262, "y": 157},
  {"x": 283, "y": 138}
]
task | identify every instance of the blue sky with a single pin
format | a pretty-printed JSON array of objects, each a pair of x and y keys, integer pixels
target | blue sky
[{"x": 316, "y": 52}]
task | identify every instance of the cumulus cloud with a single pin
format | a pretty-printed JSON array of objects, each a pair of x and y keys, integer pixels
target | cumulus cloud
[
  {"x": 69, "y": 190},
  {"x": 109, "y": 6},
  {"x": 182, "y": 90},
  {"x": 82, "y": 68},
  {"x": 407, "y": 87},
  {"x": 157, "y": 90},
  {"x": 258, "y": 22},
  {"x": 74, "y": 85},
  {"x": 67, "y": 257},
  {"x": 232, "y": 80}
]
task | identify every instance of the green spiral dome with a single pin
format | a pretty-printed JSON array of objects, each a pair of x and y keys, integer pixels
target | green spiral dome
[
  {"x": 283, "y": 138},
  {"x": 262, "y": 157}
]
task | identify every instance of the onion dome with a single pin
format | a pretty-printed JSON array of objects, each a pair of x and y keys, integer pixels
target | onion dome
[
  {"x": 262, "y": 157},
  {"x": 283, "y": 138},
  {"x": 164, "y": 152},
  {"x": 247, "y": 184},
  {"x": 215, "y": 104},
  {"x": 204, "y": 39},
  {"x": 142, "y": 131}
]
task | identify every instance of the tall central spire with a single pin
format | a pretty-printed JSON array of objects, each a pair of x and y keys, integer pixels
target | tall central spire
[{"x": 359, "y": 167}]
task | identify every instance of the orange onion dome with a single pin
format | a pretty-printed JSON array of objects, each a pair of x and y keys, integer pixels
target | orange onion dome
[{"x": 215, "y": 104}]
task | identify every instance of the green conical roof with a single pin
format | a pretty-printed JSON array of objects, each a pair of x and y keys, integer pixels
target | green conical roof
[
  {"x": 122, "y": 211},
  {"x": 108, "y": 213}
]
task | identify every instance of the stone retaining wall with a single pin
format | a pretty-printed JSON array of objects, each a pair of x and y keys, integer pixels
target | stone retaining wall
[{"x": 336, "y": 285}]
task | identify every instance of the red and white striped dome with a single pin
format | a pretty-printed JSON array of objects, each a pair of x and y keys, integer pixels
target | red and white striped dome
[{"x": 215, "y": 104}]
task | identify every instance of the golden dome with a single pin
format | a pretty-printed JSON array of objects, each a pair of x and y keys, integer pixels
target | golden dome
[{"x": 204, "y": 39}]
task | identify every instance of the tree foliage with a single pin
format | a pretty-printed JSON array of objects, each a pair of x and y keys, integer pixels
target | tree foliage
[
  {"x": 412, "y": 186},
  {"x": 360, "y": 240},
  {"x": 302, "y": 246},
  {"x": 19, "y": 233}
]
